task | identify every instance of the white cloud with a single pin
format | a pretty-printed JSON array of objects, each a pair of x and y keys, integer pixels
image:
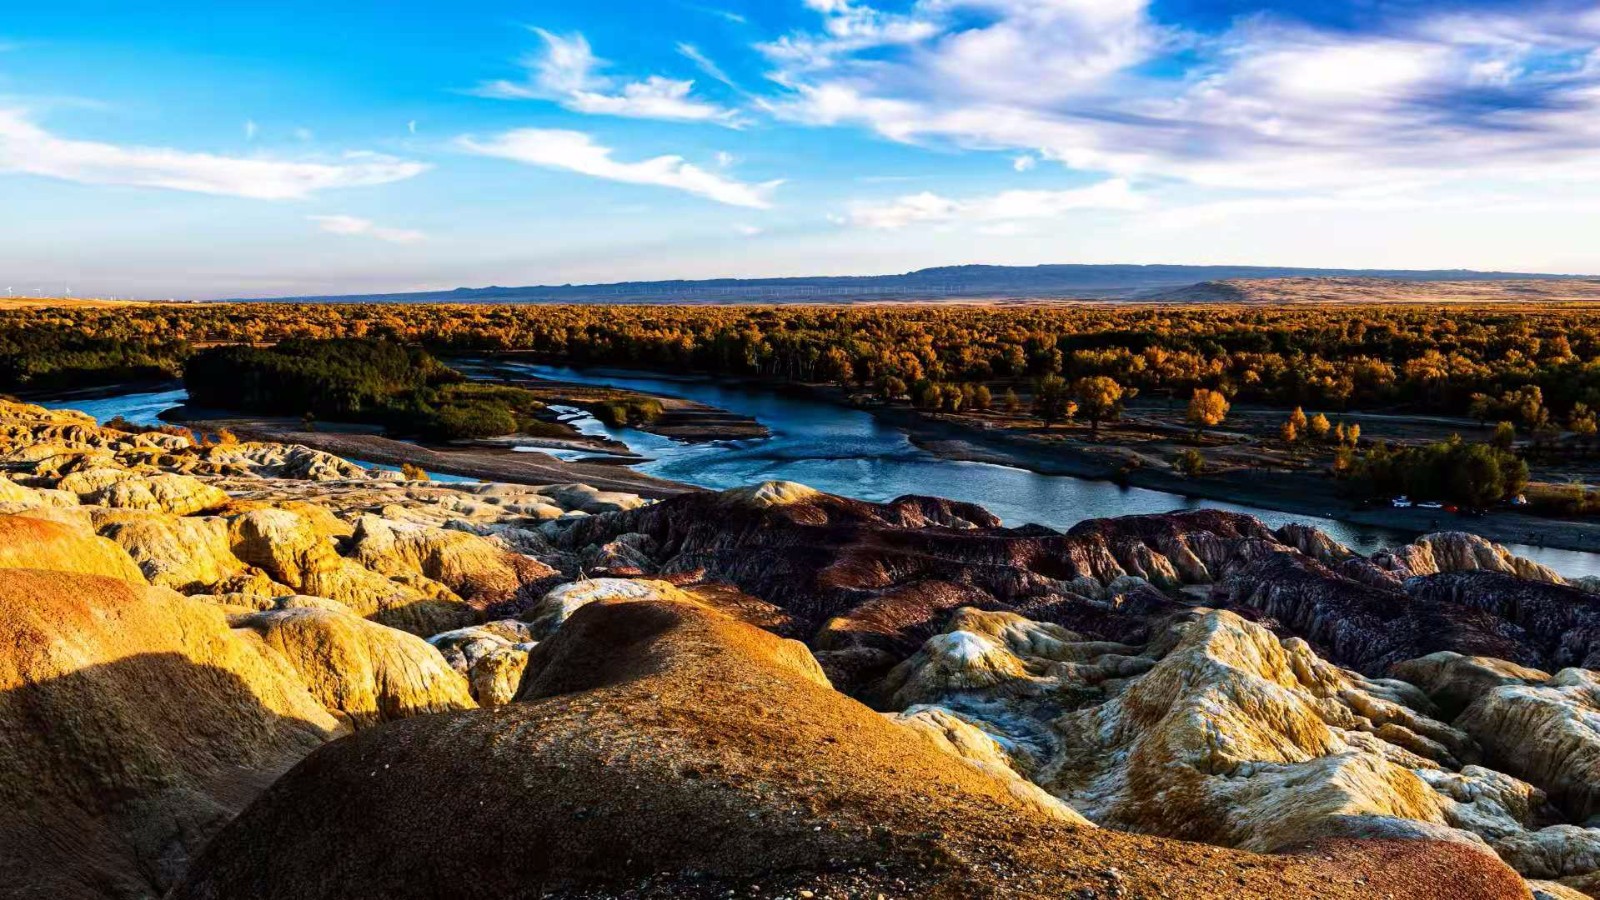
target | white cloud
[
  {"x": 575, "y": 151},
  {"x": 250, "y": 129},
  {"x": 995, "y": 209},
  {"x": 567, "y": 72},
  {"x": 411, "y": 126},
  {"x": 1099, "y": 85},
  {"x": 355, "y": 226},
  {"x": 29, "y": 149},
  {"x": 1025, "y": 162},
  {"x": 848, "y": 27},
  {"x": 749, "y": 230},
  {"x": 705, "y": 63}
]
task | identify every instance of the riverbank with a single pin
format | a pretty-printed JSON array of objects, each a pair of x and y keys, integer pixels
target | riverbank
[
  {"x": 488, "y": 463},
  {"x": 1298, "y": 490},
  {"x": 679, "y": 419},
  {"x": 1295, "y": 492}
]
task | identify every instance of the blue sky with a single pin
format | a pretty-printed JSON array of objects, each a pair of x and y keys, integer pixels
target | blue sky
[{"x": 204, "y": 149}]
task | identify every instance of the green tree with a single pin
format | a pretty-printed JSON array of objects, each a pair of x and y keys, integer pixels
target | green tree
[
  {"x": 1190, "y": 463},
  {"x": 1052, "y": 402},
  {"x": 1505, "y": 436}
]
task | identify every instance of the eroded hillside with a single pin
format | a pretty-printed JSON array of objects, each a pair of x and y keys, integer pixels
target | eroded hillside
[{"x": 259, "y": 670}]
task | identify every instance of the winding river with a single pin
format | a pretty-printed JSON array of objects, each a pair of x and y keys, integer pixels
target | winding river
[{"x": 850, "y": 452}]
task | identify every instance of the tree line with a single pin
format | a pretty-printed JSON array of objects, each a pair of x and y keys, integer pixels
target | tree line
[{"x": 1481, "y": 360}]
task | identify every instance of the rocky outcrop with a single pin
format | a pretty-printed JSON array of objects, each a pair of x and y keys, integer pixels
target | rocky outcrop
[
  {"x": 362, "y": 672},
  {"x": 873, "y": 581},
  {"x": 1219, "y": 731},
  {"x": 491, "y": 657},
  {"x": 557, "y": 606},
  {"x": 33, "y": 543},
  {"x": 476, "y": 569},
  {"x": 1458, "y": 551},
  {"x": 671, "y": 749},
  {"x": 292, "y": 550},
  {"x": 177, "y": 495},
  {"x": 133, "y": 724},
  {"x": 1454, "y": 682},
  {"x": 1560, "y": 624},
  {"x": 1547, "y": 733},
  {"x": 1367, "y": 627},
  {"x": 190, "y": 555}
]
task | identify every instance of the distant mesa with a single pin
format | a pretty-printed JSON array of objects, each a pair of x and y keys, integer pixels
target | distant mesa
[{"x": 1088, "y": 282}]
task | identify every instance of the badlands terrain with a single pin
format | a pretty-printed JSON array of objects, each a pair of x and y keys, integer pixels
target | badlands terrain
[{"x": 257, "y": 670}]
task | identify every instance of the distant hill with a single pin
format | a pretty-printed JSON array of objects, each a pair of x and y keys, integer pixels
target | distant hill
[
  {"x": 1349, "y": 289},
  {"x": 945, "y": 282}
]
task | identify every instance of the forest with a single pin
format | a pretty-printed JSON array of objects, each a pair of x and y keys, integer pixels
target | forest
[
  {"x": 1468, "y": 360},
  {"x": 360, "y": 380}
]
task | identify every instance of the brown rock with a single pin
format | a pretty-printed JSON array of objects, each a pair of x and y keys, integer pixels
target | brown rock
[{"x": 133, "y": 724}]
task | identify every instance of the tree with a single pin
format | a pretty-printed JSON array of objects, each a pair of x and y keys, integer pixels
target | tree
[
  {"x": 413, "y": 472},
  {"x": 1207, "y": 409},
  {"x": 1010, "y": 402},
  {"x": 1289, "y": 432},
  {"x": 981, "y": 398},
  {"x": 1581, "y": 421},
  {"x": 1190, "y": 463},
  {"x": 1298, "y": 417},
  {"x": 926, "y": 395},
  {"x": 1318, "y": 427},
  {"x": 892, "y": 388},
  {"x": 1353, "y": 434},
  {"x": 1051, "y": 400},
  {"x": 1099, "y": 399},
  {"x": 1505, "y": 436},
  {"x": 836, "y": 366}
]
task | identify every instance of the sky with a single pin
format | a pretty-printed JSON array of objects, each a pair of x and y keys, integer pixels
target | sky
[{"x": 200, "y": 149}]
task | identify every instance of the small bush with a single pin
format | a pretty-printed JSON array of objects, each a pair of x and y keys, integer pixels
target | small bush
[{"x": 1190, "y": 463}]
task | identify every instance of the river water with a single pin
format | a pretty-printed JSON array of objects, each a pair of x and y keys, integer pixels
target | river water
[{"x": 849, "y": 452}]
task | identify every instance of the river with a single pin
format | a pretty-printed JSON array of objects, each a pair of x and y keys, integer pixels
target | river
[{"x": 850, "y": 452}]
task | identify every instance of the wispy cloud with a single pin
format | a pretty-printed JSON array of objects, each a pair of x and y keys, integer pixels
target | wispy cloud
[
  {"x": 724, "y": 14},
  {"x": 705, "y": 63},
  {"x": 995, "y": 209},
  {"x": 27, "y": 148},
  {"x": 354, "y": 226},
  {"x": 575, "y": 151},
  {"x": 567, "y": 72}
]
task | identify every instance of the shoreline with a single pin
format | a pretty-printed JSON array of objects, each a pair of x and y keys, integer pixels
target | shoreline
[
  {"x": 485, "y": 463},
  {"x": 1286, "y": 492}
]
